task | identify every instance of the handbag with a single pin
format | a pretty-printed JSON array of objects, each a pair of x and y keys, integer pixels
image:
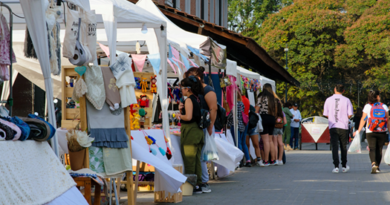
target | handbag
[
  {"x": 220, "y": 120},
  {"x": 279, "y": 123},
  {"x": 259, "y": 127}
]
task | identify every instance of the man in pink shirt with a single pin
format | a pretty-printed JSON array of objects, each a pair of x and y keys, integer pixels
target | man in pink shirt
[{"x": 338, "y": 109}]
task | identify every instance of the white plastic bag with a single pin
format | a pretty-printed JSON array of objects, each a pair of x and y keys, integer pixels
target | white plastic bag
[
  {"x": 229, "y": 155},
  {"x": 387, "y": 155},
  {"x": 355, "y": 145},
  {"x": 71, "y": 31},
  {"x": 259, "y": 126},
  {"x": 210, "y": 151}
]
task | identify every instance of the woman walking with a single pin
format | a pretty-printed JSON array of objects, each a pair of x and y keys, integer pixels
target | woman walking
[
  {"x": 192, "y": 137},
  {"x": 278, "y": 132},
  {"x": 242, "y": 129},
  {"x": 377, "y": 126},
  {"x": 266, "y": 107}
]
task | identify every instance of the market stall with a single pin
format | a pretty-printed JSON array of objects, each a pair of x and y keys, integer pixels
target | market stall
[{"x": 315, "y": 130}]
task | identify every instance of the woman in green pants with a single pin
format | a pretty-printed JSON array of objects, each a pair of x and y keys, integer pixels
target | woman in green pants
[
  {"x": 192, "y": 137},
  {"x": 287, "y": 129}
]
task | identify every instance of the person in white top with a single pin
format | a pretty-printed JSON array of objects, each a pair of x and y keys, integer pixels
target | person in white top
[
  {"x": 295, "y": 122},
  {"x": 378, "y": 122}
]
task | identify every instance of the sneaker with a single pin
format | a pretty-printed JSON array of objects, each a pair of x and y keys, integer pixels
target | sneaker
[
  {"x": 276, "y": 162},
  {"x": 280, "y": 162},
  {"x": 345, "y": 169},
  {"x": 335, "y": 170},
  {"x": 264, "y": 164},
  {"x": 248, "y": 164},
  {"x": 205, "y": 188},
  {"x": 272, "y": 163},
  {"x": 378, "y": 170},
  {"x": 260, "y": 163},
  {"x": 197, "y": 190},
  {"x": 374, "y": 169}
]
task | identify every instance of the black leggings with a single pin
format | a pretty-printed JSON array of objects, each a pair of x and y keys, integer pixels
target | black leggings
[{"x": 375, "y": 143}]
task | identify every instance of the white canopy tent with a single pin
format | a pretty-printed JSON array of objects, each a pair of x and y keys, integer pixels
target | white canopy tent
[
  {"x": 264, "y": 80},
  {"x": 247, "y": 73}
]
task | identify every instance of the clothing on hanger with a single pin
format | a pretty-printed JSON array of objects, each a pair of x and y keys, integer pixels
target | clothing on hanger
[{"x": 4, "y": 49}]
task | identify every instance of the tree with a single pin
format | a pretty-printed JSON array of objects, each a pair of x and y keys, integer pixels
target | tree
[
  {"x": 245, "y": 16},
  {"x": 312, "y": 29}
]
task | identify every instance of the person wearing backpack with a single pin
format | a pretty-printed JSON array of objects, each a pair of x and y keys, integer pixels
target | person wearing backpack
[
  {"x": 266, "y": 107},
  {"x": 377, "y": 125},
  {"x": 210, "y": 103},
  {"x": 192, "y": 136},
  {"x": 338, "y": 109}
]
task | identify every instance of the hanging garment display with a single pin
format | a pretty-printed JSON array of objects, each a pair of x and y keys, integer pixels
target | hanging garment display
[
  {"x": 107, "y": 129},
  {"x": 113, "y": 98},
  {"x": 96, "y": 93},
  {"x": 53, "y": 30},
  {"x": 4, "y": 49},
  {"x": 124, "y": 79},
  {"x": 80, "y": 88},
  {"x": 216, "y": 52},
  {"x": 29, "y": 50}
]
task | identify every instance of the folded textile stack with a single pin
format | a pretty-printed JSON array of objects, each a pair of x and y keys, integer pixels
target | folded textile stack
[{"x": 23, "y": 128}]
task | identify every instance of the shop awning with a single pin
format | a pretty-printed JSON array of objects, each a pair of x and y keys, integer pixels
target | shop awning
[{"x": 242, "y": 49}]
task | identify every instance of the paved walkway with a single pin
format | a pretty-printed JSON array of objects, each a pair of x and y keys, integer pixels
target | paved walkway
[{"x": 306, "y": 178}]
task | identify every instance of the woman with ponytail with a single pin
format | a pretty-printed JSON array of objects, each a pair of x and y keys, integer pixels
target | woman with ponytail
[
  {"x": 192, "y": 137},
  {"x": 209, "y": 102}
]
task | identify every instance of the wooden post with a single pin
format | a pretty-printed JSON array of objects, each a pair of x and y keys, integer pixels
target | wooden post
[
  {"x": 131, "y": 200},
  {"x": 136, "y": 179}
]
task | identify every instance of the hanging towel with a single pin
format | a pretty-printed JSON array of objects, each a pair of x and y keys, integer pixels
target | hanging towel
[
  {"x": 107, "y": 129},
  {"x": 124, "y": 79},
  {"x": 113, "y": 98},
  {"x": 96, "y": 93},
  {"x": 52, "y": 14},
  {"x": 29, "y": 50},
  {"x": 117, "y": 161}
]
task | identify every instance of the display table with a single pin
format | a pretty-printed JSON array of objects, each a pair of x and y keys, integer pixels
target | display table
[{"x": 314, "y": 133}]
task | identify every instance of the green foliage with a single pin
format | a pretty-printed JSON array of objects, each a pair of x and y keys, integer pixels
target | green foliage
[{"x": 329, "y": 41}]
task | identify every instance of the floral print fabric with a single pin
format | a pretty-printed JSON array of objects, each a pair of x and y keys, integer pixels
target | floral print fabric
[{"x": 4, "y": 49}]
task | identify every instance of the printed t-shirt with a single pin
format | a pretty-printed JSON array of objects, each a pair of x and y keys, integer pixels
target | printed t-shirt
[{"x": 338, "y": 108}]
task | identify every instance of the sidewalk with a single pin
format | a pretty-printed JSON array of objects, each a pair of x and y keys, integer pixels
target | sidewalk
[{"x": 306, "y": 178}]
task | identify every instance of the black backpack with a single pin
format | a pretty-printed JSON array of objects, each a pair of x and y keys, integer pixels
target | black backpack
[
  {"x": 253, "y": 118},
  {"x": 220, "y": 120},
  {"x": 204, "y": 121}
]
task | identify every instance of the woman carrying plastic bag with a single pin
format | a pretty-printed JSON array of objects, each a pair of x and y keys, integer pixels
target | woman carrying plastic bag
[
  {"x": 355, "y": 145},
  {"x": 376, "y": 115}
]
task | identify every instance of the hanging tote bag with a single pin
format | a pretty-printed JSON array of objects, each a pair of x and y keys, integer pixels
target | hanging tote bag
[
  {"x": 88, "y": 33},
  {"x": 355, "y": 145},
  {"x": 71, "y": 32}
]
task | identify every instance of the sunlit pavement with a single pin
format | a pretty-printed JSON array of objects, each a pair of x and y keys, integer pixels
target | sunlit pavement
[{"x": 306, "y": 178}]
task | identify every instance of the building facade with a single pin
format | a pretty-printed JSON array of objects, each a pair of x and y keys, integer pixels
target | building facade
[{"x": 213, "y": 11}]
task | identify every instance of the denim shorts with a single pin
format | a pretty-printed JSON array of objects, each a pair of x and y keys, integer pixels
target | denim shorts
[{"x": 252, "y": 132}]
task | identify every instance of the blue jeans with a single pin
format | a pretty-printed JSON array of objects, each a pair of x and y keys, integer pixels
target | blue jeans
[
  {"x": 294, "y": 135},
  {"x": 242, "y": 143}
]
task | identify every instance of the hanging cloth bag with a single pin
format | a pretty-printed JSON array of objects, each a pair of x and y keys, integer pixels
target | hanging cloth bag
[
  {"x": 88, "y": 33},
  {"x": 71, "y": 32}
]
